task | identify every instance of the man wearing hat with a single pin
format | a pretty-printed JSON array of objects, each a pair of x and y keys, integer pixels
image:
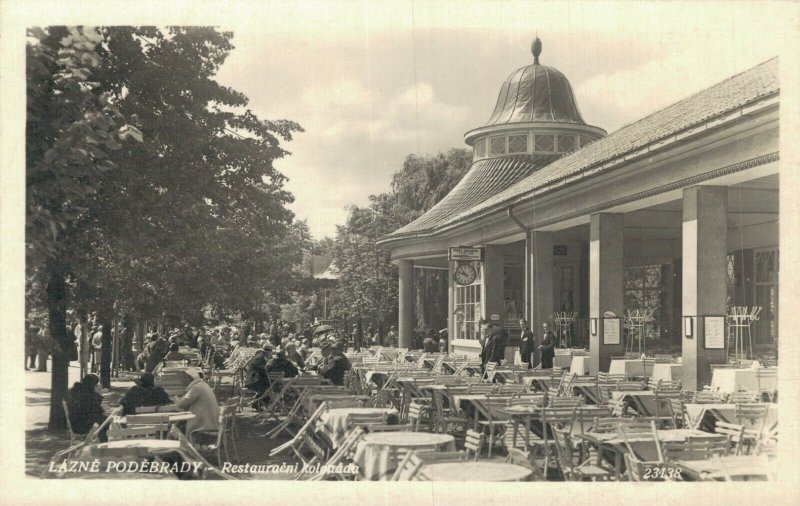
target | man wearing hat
[
  {"x": 494, "y": 348},
  {"x": 143, "y": 393},
  {"x": 256, "y": 372},
  {"x": 155, "y": 351},
  {"x": 200, "y": 400},
  {"x": 334, "y": 363}
]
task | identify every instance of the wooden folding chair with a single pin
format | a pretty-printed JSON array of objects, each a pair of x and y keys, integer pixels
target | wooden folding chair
[
  {"x": 697, "y": 448},
  {"x": 663, "y": 405},
  {"x": 344, "y": 451},
  {"x": 116, "y": 432},
  {"x": 493, "y": 421},
  {"x": 767, "y": 378},
  {"x": 753, "y": 417},
  {"x": 708, "y": 398},
  {"x": 419, "y": 411},
  {"x": 304, "y": 439},
  {"x": 409, "y": 468},
  {"x": 744, "y": 397},
  {"x": 72, "y": 435},
  {"x": 473, "y": 444},
  {"x": 224, "y": 435},
  {"x": 564, "y": 402},
  {"x": 734, "y": 432},
  {"x": 570, "y": 461},
  {"x": 446, "y": 417},
  {"x": 552, "y": 418}
]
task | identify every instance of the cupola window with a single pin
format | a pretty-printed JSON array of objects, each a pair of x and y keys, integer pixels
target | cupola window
[
  {"x": 518, "y": 144},
  {"x": 545, "y": 143},
  {"x": 566, "y": 143},
  {"x": 480, "y": 148},
  {"x": 498, "y": 145}
]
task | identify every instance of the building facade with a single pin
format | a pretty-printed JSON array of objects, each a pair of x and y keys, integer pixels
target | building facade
[{"x": 674, "y": 216}]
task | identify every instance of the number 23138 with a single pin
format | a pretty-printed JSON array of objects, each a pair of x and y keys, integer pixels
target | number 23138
[{"x": 661, "y": 473}]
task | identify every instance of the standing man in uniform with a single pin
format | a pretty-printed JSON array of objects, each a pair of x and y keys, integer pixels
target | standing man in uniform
[{"x": 547, "y": 348}]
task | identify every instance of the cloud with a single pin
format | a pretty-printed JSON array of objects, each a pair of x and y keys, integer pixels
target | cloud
[{"x": 355, "y": 138}]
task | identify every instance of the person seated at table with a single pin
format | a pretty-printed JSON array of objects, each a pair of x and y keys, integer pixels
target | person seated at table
[
  {"x": 547, "y": 348},
  {"x": 85, "y": 405},
  {"x": 429, "y": 345},
  {"x": 173, "y": 353},
  {"x": 334, "y": 364},
  {"x": 154, "y": 352},
  {"x": 280, "y": 363},
  {"x": 304, "y": 351},
  {"x": 143, "y": 393},
  {"x": 200, "y": 400},
  {"x": 256, "y": 373},
  {"x": 295, "y": 356}
]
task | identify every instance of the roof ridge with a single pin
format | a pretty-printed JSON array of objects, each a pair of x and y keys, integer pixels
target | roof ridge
[{"x": 684, "y": 99}]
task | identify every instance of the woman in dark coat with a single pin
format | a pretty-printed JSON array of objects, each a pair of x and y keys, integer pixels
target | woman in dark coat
[{"x": 85, "y": 405}]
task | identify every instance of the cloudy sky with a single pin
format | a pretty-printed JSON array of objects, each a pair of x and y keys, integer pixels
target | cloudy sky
[{"x": 373, "y": 82}]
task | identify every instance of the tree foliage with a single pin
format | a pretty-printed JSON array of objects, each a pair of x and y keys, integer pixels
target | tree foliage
[
  {"x": 368, "y": 282},
  {"x": 151, "y": 187}
]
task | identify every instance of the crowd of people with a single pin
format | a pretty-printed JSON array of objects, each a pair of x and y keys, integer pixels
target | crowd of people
[{"x": 282, "y": 349}]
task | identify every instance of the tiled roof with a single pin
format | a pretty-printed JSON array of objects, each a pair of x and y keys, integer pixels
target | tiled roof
[
  {"x": 485, "y": 178},
  {"x": 730, "y": 94}
]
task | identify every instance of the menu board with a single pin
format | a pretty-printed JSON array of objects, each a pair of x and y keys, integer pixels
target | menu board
[
  {"x": 611, "y": 331},
  {"x": 714, "y": 332}
]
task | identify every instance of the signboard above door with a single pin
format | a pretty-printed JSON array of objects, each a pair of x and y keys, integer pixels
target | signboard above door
[{"x": 465, "y": 254}]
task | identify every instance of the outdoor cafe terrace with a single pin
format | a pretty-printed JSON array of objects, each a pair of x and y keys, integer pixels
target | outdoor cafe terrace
[{"x": 408, "y": 415}]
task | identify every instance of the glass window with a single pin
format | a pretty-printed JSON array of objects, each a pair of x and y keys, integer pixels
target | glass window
[
  {"x": 644, "y": 287},
  {"x": 545, "y": 143},
  {"x": 585, "y": 141},
  {"x": 480, "y": 148},
  {"x": 566, "y": 143},
  {"x": 766, "y": 287},
  {"x": 468, "y": 308},
  {"x": 518, "y": 144},
  {"x": 498, "y": 145}
]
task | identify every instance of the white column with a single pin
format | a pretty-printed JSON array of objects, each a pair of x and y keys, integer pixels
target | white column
[
  {"x": 405, "y": 324},
  {"x": 606, "y": 289}
]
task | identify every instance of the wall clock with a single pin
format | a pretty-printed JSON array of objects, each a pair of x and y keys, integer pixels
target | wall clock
[{"x": 465, "y": 274}]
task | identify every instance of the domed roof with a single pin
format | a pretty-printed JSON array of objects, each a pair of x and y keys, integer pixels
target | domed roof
[{"x": 536, "y": 93}]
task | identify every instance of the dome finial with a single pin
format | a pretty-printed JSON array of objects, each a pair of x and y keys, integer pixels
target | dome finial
[{"x": 536, "y": 49}]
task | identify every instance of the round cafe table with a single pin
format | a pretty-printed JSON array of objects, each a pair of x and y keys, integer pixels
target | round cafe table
[
  {"x": 132, "y": 447},
  {"x": 378, "y": 454},
  {"x": 475, "y": 471},
  {"x": 159, "y": 417}
]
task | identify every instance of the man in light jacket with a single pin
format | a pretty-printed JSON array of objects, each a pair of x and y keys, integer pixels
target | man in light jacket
[{"x": 200, "y": 400}]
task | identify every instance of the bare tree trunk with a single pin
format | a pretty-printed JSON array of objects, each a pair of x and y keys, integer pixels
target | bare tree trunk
[
  {"x": 57, "y": 313},
  {"x": 106, "y": 317}
]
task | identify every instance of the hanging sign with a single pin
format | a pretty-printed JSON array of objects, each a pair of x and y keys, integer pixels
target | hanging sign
[
  {"x": 714, "y": 332},
  {"x": 465, "y": 254}
]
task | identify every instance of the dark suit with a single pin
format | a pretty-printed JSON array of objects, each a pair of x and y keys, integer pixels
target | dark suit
[
  {"x": 548, "y": 350},
  {"x": 528, "y": 346},
  {"x": 334, "y": 368},
  {"x": 495, "y": 348}
]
